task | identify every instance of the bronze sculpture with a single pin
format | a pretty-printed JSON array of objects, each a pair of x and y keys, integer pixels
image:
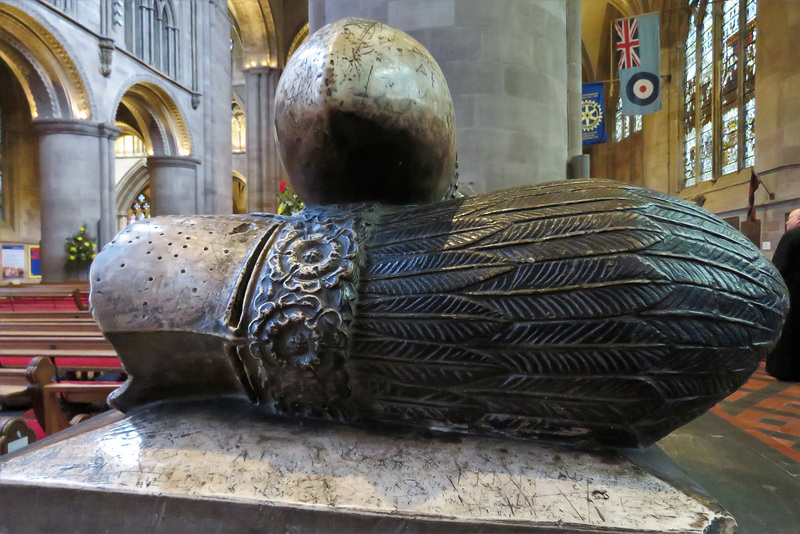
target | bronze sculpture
[{"x": 583, "y": 311}]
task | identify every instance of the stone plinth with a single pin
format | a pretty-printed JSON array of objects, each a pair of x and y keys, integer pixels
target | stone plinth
[{"x": 221, "y": 467}]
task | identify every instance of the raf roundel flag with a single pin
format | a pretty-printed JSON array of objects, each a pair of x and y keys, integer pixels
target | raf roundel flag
[
  {"x": 639, "y": 52},
  {"x": 593, "y": 119}
]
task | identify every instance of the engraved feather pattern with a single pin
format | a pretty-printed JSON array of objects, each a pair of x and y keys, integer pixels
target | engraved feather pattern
[{"x": 588, "y": 311}]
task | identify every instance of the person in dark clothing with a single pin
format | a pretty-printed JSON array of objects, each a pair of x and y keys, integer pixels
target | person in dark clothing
[{"x": 784, "y": 361}]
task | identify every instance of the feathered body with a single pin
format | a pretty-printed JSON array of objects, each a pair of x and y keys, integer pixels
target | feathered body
[{"x": 584, "y": 311}]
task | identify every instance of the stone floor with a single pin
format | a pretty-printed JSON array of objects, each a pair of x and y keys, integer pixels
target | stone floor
[{"x": 746, "y": 454}]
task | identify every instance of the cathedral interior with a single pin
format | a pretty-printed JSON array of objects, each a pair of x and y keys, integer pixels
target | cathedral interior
[{"x": 116, "y": 111}]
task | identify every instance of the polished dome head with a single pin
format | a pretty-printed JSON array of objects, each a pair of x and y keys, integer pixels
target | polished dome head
[{"x": 363, "y": 114}]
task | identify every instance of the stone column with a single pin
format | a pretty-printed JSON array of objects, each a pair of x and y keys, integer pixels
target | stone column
[
  {"x": 108, "y": 194},
  {"x": 264, "y": 169},
  {"x": 72, "y": 174},
  {"x": 777, "y": 122},
  {"x": 506, "y": 67},
  {"x": 173, "y": 182},
  {"x": 577, "y": 167},
  {"x": 217, "y": 191}
]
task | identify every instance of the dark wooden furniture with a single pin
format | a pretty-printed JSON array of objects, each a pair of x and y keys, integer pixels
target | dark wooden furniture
[
  {"x": 14, "y": 434},
  {"x": 47, "y": 291}
]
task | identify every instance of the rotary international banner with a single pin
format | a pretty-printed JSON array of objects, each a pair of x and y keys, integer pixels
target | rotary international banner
[
  {"x": 593, "y": 116},
  {"x": 639, "y": 49}
]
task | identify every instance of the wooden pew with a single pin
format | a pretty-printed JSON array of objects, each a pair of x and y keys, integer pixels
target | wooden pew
[
  {"x": 47, "y": 291},
  {"x": 47, "y": 392},
  {"x": 78, "y": 343},
  {"x": 72, "y": 328},
  {"x": 13, "y": 388},
  {"x": 52, "y": 355},
  {"x": 14, "y": 434},
  {"x": 49, "y": 315}
]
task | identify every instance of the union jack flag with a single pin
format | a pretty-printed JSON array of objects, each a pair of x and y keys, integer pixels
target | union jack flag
[{"x": 628, "y": 43}]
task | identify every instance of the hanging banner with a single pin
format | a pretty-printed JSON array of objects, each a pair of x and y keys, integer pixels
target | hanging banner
[
  {"x": 639, "y": 49},
  {"x": 593, "y": 115}
]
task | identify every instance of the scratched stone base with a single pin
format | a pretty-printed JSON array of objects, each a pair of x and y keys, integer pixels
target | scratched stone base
[{"x": 203, "y": 467}]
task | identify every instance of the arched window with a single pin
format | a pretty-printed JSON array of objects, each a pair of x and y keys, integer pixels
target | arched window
[
  {"x": 238, "y": 128},
  {"x": 151, "y": 34},
  {"x": 625, "y": 125},
  {"x": 139, "y": 210},
  {"x": 129, "y": 146},
  {"x": 719, "y": 105}
]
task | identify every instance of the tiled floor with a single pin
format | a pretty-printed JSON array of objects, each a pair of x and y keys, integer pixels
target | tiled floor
[
  {"x": 745, "y": 453},
  {"x": 768, "y": 410}
]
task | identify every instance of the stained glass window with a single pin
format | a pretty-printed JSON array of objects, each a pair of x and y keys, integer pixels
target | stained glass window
[
  {"x": 720, "y": 60},
  {"x": 730, "y": 140},
  {"x": 139, "y": 210},
  {"x": 749, "y": 133},
  {"x": 690, "y": 157},
  {"x": 706, "y": 152},
  {"x": 626, "y": 125}
]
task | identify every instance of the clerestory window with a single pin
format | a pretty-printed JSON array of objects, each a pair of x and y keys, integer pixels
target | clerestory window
[
  {"x": 152, "y": 35},
  {"x": 719, "y": 91}
]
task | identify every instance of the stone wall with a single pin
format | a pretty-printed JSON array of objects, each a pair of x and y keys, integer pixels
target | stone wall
[{"x": 506, "y": 69}]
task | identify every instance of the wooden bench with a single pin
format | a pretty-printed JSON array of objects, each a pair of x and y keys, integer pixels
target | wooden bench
[
  {"x": 48, "y": 387},
  {"x": 44, "y": 383},
  {"x": 75, "y": 343},
  {"x": 49, "y": 357},
  {"x": 48, "y": 315},
  {"x": 14, "y": 434},
  {"x": 75, "y": 327},
  {"x": 46, "y": 291}
]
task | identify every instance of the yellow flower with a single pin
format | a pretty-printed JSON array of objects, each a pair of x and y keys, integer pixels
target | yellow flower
[
  {"x": 281, "y": 208},
  {"x": 93, "y": 255},
  {"x": 73, "y": 249},
  {"x": 72, "y": 257},
  {"x": 82, "y": 229},
  {"x": 86, "y": 244},
  {"x": 79, "y": 238}
]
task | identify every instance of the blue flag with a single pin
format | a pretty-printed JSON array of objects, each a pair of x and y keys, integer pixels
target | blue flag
[
  {"x": 593, "y": 115},
  {"x": 639, "y": 49}
]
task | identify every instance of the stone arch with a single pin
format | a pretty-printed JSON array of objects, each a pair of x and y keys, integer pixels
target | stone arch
[
  {"x": 129, "y": 186},
  {"x": 299, "y": 38},
  {"x": 257, "y": 26},
  {"x": 239, "y": 193},
  {"x": 155, "y": 115},
  {"x": 52, "y": 82}
]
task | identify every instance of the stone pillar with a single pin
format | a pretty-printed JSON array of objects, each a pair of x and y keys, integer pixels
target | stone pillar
[
  {"x": 108, "y": 193},
  {"x": 172, "y": 183},
  {"x": 577, "y": 167},
  {"x": 73, "y": 170},
  {"x": 217, "y": 190},
  {"x": 777, "y": 123},
  {"x": 506, "y": 67},
  {"x": 264, "y": 169}
]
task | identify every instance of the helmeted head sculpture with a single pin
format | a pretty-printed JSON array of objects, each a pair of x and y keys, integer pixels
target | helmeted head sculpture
[
  {"x": 363, "y": 114},
  {"x": 587, "y": 311}
]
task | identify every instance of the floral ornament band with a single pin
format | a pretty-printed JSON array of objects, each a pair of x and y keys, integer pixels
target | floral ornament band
[{"x": 300, "y": 314}]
